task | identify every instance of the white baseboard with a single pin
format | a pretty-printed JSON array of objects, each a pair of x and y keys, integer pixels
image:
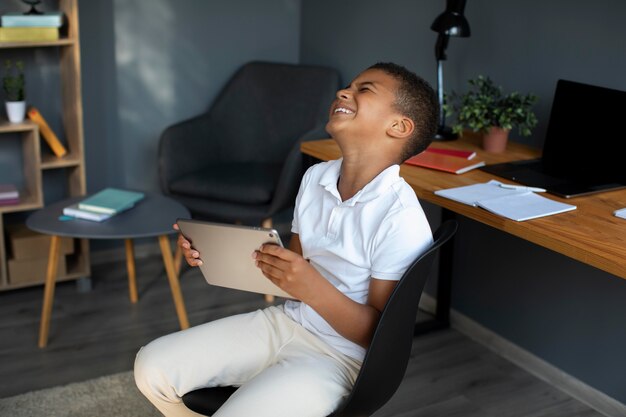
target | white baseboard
[{"x": 529, "y": 362}]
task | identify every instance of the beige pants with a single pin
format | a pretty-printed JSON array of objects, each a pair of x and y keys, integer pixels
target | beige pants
[{"x": 283, "y": 369}]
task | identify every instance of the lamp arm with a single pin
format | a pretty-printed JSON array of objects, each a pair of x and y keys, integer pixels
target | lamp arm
[
  {"x": 440, "y": 46},
  {"x": 440, "y": 54},
  {"x": 442, "y": 115}
]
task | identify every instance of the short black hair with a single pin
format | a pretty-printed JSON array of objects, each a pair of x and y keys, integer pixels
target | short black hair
[{"x": 416, "y": 100}]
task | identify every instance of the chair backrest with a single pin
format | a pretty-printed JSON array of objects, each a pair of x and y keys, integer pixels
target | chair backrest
[
  {"x": 387, "y": 357},
  {"x": 266, "y": 107}
]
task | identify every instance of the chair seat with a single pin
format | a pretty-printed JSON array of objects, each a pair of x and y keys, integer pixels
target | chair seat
[{"x": 234, "y": 182}]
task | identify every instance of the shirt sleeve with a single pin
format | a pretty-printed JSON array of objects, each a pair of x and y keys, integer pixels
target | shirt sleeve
[{"x": 401, "y": 238}]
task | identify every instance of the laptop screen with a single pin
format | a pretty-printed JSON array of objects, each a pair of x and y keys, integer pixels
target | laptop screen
[{"x": 586, "y": 139}]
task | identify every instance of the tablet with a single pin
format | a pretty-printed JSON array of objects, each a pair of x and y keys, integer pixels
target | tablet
[{"x": 226, "y": 254}]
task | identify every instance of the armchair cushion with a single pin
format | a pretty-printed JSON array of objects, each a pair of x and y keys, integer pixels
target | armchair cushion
[{"x": 234, "y": 182}]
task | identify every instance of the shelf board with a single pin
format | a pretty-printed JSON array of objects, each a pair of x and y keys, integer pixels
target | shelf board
[
  {"x": 52, "y": 162},
  {"x": 37, "y": 44},
  {"x": 23, "y": 205},
  {"x": 28, "y": 201},
  {"x": 8, "y": 127}
]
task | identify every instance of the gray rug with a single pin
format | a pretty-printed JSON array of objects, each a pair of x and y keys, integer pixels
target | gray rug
[{"x": 113, "y": 395}]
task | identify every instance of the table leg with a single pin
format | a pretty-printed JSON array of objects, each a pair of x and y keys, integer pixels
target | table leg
[
  {"x": 48, "y": 294},
  {"x": 132, "y": 274},
  {"x": 178, "y": 258},
  {"x": 172, "y": 276},
  {"x": 444, "y": 286}
]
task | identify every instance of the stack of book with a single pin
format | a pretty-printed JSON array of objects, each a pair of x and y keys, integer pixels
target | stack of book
[
  {"x": 455, "y": 161},
  {"x": 9, "y": 195},
  {"x": 103, "y": 205},
  {"x": 19, "y": 27}
]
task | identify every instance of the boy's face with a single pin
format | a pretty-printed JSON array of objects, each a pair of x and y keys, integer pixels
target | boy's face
[{"x": 364, "y": 109}]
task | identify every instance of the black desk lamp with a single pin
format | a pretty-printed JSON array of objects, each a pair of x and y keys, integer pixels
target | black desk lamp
[{"x": 449, "y": 23}]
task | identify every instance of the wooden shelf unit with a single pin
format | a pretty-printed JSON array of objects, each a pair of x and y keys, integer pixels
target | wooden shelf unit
[
  {"x": 59, "y": 42},
  {"x": 34, "y": 163}
]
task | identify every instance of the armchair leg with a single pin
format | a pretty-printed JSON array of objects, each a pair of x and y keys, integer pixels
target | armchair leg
[{"x": 267, "y": 224}]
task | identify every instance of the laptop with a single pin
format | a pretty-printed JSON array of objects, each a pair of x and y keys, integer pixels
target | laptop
[
  {"x": 226, "y": 254},
  {"x": 585, "y": 145}
]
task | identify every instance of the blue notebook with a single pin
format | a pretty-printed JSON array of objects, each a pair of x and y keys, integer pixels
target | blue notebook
[{"x": 110, "y": 201}]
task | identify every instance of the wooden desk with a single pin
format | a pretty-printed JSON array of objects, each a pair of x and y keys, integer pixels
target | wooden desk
[{"x": 589, "y": 234}]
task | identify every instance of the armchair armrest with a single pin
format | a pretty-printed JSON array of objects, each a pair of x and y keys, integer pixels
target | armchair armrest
[{"x": 183, "y": 148}]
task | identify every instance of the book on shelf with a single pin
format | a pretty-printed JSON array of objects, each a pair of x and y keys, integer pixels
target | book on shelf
[
  {"x": 49, "y": 136},
  {"x": 28, "y": 34},
  {"x": 9, "y": 195},
  {"x": 452, "y": 152},
  {"x": 111, "y": 201},
  {"x": 513, "y": 202},
  {"x": 75, "y": 211},
  {"x": 447, "y": 163},
  {"x": 47, "y": 19},
  {"x": 8, "y": 192},
  {"x": 9, "y": 201}
]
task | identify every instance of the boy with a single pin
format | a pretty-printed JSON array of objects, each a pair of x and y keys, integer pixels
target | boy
[{"x": 357, "y": 226}]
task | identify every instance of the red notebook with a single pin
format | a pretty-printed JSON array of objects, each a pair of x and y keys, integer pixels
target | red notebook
[
  {"x": 445, "y": 163},
  {"x": 452, "y": 152}
]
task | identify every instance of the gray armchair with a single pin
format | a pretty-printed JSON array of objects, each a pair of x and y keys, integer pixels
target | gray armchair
[{"x": 240, "y": 161}]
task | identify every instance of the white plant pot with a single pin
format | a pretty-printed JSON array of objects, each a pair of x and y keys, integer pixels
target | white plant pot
[{"x": 16, "y": 111}]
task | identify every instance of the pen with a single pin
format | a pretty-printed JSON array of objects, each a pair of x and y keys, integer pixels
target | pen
[{"x": 522, "y": 187}]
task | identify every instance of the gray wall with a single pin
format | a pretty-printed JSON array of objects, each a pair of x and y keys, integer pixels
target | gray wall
[
  {"x": 149, "y": 64},
  {"x": 567, "y": 313}
]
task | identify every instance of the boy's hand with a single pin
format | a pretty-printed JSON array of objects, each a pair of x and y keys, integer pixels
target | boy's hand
[
  {"x": 289, "y": 271},
  {"x": 191, "y": 255}
]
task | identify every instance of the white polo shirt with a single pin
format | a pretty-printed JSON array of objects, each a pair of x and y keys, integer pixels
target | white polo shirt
[{"x": 377, "y": 233}]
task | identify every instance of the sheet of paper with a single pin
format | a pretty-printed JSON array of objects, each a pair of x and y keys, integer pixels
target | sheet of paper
[
  {"x": 471, "y": 194},
  {"x": 525, "y": 206},
  {"x": 620, "y": 213}
]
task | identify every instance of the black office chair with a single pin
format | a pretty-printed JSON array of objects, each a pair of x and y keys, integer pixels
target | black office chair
[
  {"x": 388, "y": 354},
  {"x": 240, "y": 161}
]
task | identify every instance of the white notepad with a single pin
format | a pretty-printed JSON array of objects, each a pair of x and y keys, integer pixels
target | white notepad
[
  {"x": 525, "y": 206},
  {"x": 516, "y": 204},
  {"x": 471, "y": 194}
]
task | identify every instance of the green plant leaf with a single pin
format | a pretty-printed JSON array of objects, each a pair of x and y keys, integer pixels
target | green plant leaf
[
  {"x": 485, "y": 105},
  {"x": 13, "y": 82}
]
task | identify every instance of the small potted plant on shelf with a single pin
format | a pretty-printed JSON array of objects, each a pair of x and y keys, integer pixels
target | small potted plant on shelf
[
  {"x": 13, "y": 85},
  {"x": 484, "y": 108}
]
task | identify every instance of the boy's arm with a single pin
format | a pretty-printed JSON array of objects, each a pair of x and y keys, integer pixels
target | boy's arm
[{"x": 291, "y": 272}]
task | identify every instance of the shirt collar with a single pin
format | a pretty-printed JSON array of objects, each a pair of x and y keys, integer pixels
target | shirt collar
[{"x": 372, "y": 190}]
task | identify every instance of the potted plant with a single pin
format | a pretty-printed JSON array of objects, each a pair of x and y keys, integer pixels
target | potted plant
[
  {"x": 484, "y": 108},
  {"x": 13, "y": 85}
]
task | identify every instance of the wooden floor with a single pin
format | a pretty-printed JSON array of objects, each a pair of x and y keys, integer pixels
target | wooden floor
[{"x": 98, "y": 332}]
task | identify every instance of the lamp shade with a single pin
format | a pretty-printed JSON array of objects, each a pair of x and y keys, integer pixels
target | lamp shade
[{"x": 452, "y": 22}]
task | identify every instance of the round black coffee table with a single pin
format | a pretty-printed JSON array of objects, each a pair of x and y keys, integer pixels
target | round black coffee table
[{"x": 153, "y": 216}]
